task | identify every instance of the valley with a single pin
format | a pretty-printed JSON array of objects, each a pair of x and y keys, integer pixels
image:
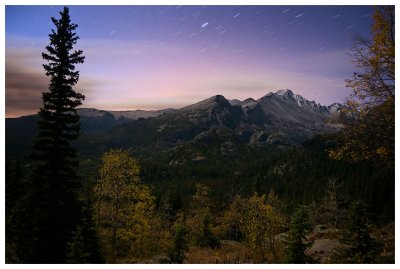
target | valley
[{"x": 277, "y": 144}]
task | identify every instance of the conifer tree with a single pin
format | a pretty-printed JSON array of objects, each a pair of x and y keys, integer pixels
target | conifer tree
[
  {"x": 179, "y": 240},
  {"x": 206, "y": 236},
  {"x": 84, "y": 246},
  {"x": 200, "y": 218},
  {"x": 363, "y": 248},
  {"x": 48, "y": 215},
  {"x": 298, "y": 229}
]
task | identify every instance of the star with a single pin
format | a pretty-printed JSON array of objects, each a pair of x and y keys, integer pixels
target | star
[
  {"x": 224, "y": 30},
  {"x": 204, "y": 24}
]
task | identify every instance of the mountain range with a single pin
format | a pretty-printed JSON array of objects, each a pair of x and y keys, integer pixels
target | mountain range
[{"x": 278, "y": 119}]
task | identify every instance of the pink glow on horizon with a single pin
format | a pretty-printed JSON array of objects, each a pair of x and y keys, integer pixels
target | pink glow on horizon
[{"x": 158, "y": 76}]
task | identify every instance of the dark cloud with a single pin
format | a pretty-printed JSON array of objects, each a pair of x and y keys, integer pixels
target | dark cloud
[
  {"x": 25, "y": 81},
  {"x": 23, "y": 88}
]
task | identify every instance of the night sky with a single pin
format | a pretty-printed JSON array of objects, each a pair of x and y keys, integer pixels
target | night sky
[{"x": 152, "y": 57}]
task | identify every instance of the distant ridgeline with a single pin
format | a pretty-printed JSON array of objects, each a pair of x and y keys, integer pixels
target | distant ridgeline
[{"x": 276, "y": 119}]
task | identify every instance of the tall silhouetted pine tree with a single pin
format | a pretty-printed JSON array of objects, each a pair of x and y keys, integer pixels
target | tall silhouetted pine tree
[{"x": 48, "y": 215}]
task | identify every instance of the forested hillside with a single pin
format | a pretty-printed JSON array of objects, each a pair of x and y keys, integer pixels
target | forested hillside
[
  {"x": 170, "y": 193},
  {"x": 280, "y": 179}
]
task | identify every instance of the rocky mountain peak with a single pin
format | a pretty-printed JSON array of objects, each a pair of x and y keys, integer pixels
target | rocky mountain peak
[
  {"x": 249, "y": 102},
  {"x": 219, "y": 99},
  {"x": 285, "y": 93},
  {"x": 214, "y": 101}
]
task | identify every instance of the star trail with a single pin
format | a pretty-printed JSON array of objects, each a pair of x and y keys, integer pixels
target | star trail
[{"x": 153, "y": 57}]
